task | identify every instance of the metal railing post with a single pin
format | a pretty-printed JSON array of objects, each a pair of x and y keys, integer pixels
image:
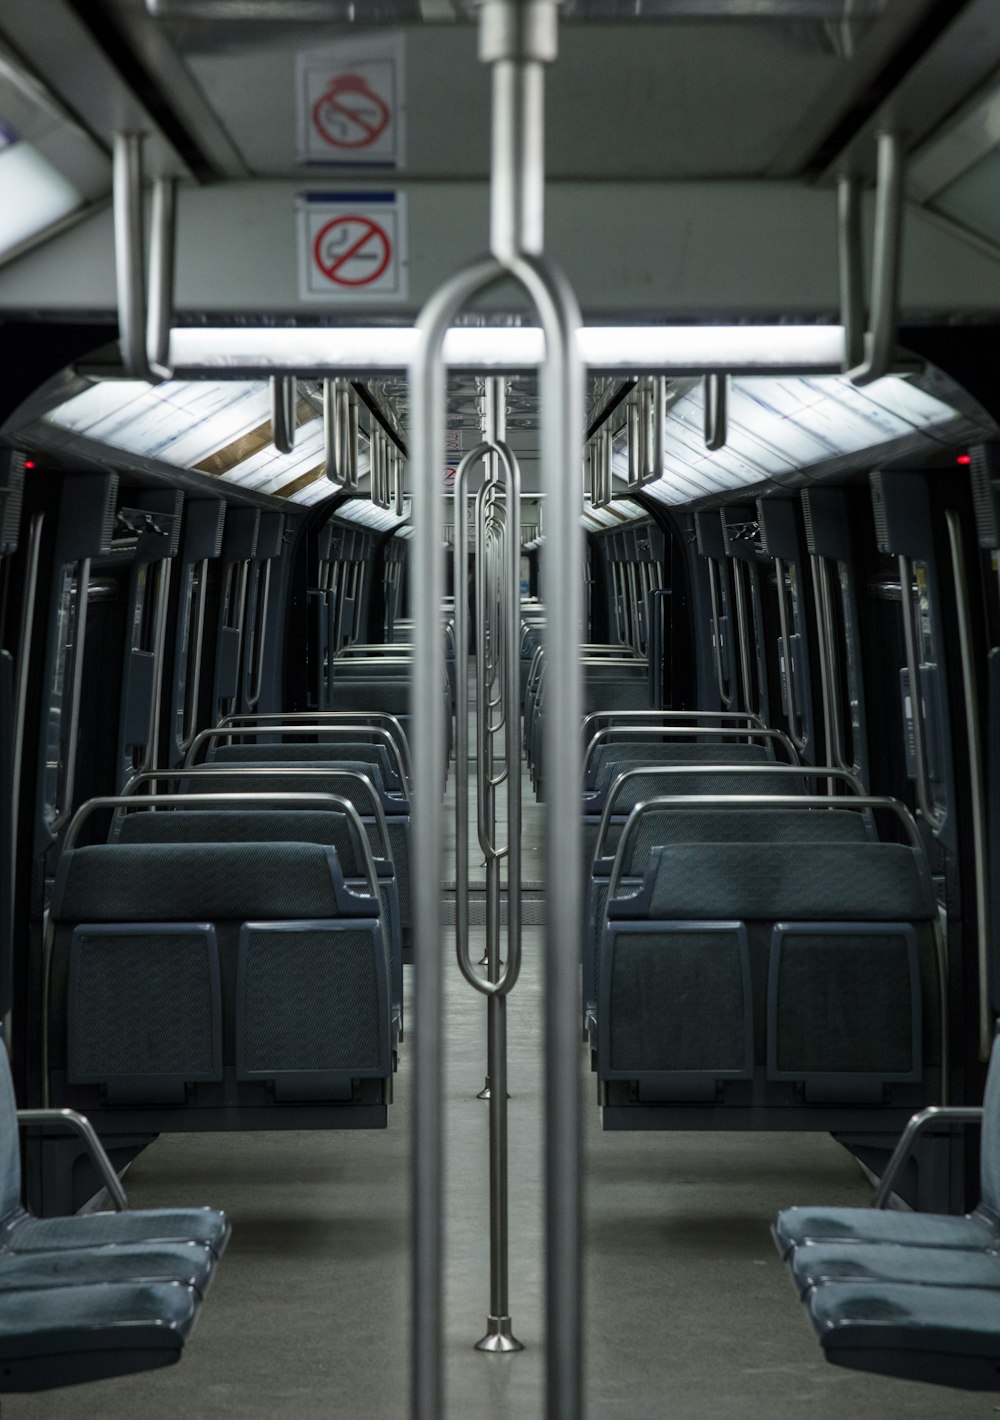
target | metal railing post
[
  {"x": 130, "y": 257},
  {"x": 517, "y": 39}
]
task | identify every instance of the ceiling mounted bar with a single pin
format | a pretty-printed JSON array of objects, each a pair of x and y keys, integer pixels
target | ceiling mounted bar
[
  {"x": 162, "y": 259},
  {"x": 677, "y": 350},
  {"x": 130, "y": 255},
  {"x": 283, "y": 412},
  {"x": 879, "y": 343},
  {"x": 715, "y": 398},
  {"x": 517, "y": 40},
  {"x": 333, "y": 434}
]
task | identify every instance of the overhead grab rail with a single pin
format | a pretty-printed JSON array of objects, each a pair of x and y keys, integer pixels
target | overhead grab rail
[
  {"x": 284, "y": 401},
  {"x": 715, "y": 397},
  {"x": 130, "y": 277},
  {"x": 340, "y": 433},
  {"x": 868, "y": 356},
  {"x": 144, "y": 318},
  {"x": 517, "y": 40}
]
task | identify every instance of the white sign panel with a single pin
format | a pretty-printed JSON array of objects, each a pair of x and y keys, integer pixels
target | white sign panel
[
  {"x": 352, "y": 103},
  {"x": 352, "y": 247}
]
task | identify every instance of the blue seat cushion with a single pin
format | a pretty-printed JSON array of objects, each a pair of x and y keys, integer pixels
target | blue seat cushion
[
  {"x": 189, "y": 1263},
  {"x": 795, "y": 1226},
  {"x": 150, "y": 1225},
  {"x": 941, "y": 1335},
  {"x": 53, "y": 1336},
  {"x": 812, "y": 1264}
]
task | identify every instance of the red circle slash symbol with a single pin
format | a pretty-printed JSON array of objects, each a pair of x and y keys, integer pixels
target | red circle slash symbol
[
  {"x": 350, "y": 114},
  {"x": 352, "y": 251}
]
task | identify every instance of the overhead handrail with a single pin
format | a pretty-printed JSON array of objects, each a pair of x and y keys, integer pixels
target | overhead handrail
[
  {"x": 715, "y": 393},
  {"x": 867, "y": 357},
  {"x": 283, "y": 412},
  {"x": 517, "y": 40},
  {"x": 162, "y": 258},
  {"x": 130, "y": 265}
]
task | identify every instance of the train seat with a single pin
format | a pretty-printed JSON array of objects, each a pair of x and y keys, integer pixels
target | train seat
[
  {"x": 386, "y": 816},
  {"x": 800, "y": 971},
  {"x": 100, "y": 1295},
  {"x": 652, "y": 824},
  {"x": 251, "y": 823},
  {"x": 216, "y": 975},
  {"x": 913, "y": 1295}
]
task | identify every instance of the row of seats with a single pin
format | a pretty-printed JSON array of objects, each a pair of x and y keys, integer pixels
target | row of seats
[
  {"x": 614, "y": 677},
  {"x": 98, "y": 1295},
  {"x": 751, "y": 945},
  {"x": 897, "y": 1293},
  {"x": 233, "y": 952}
]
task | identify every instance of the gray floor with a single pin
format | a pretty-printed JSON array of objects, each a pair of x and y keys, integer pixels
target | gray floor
[{"x": 689, "y": 1312}]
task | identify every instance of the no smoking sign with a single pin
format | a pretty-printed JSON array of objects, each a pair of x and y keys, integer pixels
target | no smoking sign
[
  {"x": 351, "y": 103},
  {"x": 352, "y": 247}
]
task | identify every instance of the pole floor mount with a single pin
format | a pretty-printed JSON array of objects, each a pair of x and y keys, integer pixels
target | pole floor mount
[{"x": 499, "y": 1336}]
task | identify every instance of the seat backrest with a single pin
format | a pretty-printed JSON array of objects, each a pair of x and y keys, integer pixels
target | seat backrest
[
  {"x": 989, "y": 1168},
  {"x": 247, "y": 825},
  {"x": 346, "y": 752},
  {"x": 10, "y": 1152},
  {"x": 612, "y": 758}
]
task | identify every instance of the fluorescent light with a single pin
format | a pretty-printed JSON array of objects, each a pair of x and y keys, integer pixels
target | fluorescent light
[
  {"x": 33, "y": 196},
  {"x": 683, "y": 349},
  {"x": 779, "y": 425}
]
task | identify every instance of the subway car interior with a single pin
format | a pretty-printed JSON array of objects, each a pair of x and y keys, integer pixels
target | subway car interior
[{"x": 499, "y": 709}]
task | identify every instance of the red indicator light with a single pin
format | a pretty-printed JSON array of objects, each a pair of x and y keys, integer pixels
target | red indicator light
[
  {"x": 30, "y": 463},
  {"x": 964, "y": 458}
]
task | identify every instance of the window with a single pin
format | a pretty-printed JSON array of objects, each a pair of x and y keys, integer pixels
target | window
[{"x": 64, "y": 693}]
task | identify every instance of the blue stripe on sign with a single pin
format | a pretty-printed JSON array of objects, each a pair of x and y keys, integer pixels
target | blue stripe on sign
[
  {"x": 359, "y": 197},
  {"x": 8, "y": 135},
  {"x": 329, "y": 163}
]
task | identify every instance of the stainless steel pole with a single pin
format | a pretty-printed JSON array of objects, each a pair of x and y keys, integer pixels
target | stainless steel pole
[{"x": 516, "y": 38}]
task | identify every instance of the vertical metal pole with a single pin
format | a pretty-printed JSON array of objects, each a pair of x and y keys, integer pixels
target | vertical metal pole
[
  {"x": 502, "y": 643},
  {"x": 283, "y": 412},
  {"x": 427, "y": 404},
  {"x": 852, "y": 301},
  {"x": 162, "y": 252},
  {"x": 129, "y": 254}
]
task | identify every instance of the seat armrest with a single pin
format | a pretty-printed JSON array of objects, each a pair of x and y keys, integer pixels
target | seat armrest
[
  {"x": 933, "y": 1114},
  {"x": 78, "y": 1124}
]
